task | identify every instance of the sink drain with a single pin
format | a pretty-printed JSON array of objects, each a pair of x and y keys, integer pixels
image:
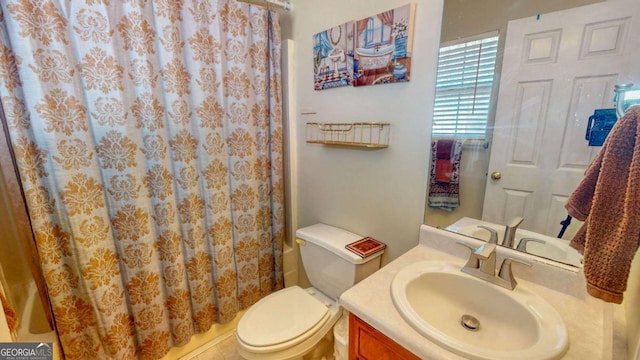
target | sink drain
[{"x": 470, "y": 323}]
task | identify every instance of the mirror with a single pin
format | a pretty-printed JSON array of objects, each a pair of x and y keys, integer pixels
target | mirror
[{"x": 556, "y": 62}]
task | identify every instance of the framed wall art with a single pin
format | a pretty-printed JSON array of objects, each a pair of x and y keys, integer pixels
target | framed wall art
[
  {"x": 383, "y": 45},
  {"x": 333, "y": 57}
]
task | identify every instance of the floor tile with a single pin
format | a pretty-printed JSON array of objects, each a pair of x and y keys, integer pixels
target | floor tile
[{"x": 228, "y": 348}]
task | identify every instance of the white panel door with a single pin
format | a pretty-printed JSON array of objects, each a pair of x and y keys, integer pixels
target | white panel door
[{"x": 556, "y": 70}]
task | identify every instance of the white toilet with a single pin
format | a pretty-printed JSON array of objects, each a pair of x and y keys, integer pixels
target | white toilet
[{"x": 289, "y": 323}]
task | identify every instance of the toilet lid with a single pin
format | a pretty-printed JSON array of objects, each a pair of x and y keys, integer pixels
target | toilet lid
[{"x": 281, "y": 317}]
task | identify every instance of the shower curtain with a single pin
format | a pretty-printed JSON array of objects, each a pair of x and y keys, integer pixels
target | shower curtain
[{"x": 148, "y": 138}]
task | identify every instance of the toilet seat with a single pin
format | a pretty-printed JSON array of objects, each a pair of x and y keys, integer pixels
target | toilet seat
[{"x": 282, "y": 320}]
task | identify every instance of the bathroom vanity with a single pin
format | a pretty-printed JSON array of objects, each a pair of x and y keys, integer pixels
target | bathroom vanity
[
  {"x": 595, "y": 329},
  {"x": 365, "y": 342}
]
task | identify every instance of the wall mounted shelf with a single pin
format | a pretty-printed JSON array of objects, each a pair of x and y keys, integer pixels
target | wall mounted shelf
[{"x": 373, "y": 135}]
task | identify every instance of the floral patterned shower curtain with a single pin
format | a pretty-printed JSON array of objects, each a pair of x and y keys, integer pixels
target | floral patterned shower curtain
[{"x": 148, "y": 138}]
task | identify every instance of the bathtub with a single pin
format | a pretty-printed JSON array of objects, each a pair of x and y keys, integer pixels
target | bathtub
[
  {"x": 33, "y": 326},
  {"x": 200, "y": 343},
  {"x": 375, "y": 57}
]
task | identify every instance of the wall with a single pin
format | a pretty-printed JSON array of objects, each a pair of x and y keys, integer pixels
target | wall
[
  {"x": 632, "y": 309},
  {"x": 17, "y": 277},
  {"x": 470, "y": 17},
  {"x": 379, "y": 193}
]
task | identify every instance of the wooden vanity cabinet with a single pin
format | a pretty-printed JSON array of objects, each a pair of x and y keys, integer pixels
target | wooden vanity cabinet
[{"x": 367, "y": 343}]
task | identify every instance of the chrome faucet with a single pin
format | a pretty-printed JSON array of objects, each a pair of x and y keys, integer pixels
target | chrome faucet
[
  {"x": 505, "y": 275},
  {"x": 493, "y": 237},
  {"x": 482, "y": 264},
  {"x": 522, "y": 245},
  {"x": 510, "y": 231}
]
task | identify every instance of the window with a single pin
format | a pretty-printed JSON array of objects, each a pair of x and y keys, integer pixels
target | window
[
  {"x": 375, "y": 33},
  {"x": 463, "y": 87}
]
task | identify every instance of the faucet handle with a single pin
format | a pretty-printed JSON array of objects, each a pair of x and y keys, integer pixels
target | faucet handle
[
  {"x": 510, "y": 231},
  {"x": 505, "y": 272},
  {"x": 485, "y": 251},
  {"x": 482, "y": 252},
  {"x": 493, "y": 238},
  {"x": 522, "y": 245},
  {"x": 473, "y": 261},
  {"x": 467, "y": 245},
  {"x": 516, "y": 221}
]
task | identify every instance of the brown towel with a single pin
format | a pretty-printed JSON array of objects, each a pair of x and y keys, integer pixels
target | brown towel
[
  {"x": 608, "y": 200},
  {"x": 9, "y": 313},
  {"x": 444, "y": 149},
  {"x": 444, "y": 164}
]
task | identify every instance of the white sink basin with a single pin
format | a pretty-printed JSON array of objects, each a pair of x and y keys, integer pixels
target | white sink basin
[{"x": 515, "y": 324}]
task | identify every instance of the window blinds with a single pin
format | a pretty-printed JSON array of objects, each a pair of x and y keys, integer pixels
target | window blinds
[{"x": 463, "y": 87}]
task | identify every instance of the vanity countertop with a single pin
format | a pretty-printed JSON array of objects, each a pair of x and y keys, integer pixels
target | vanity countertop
[{"x": 595, "y": 328}]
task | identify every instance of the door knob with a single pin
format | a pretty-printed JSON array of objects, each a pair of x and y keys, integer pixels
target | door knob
[{"x": 496, "y": 175}]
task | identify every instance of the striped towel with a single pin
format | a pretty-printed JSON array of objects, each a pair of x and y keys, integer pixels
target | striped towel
[{"x": 444, "y": 188}]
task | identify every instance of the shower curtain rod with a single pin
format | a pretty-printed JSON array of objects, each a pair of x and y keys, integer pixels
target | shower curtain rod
[{"x": 281, "y": 4}]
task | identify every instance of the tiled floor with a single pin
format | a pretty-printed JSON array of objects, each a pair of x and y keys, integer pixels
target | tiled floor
[{"x": 225, "y": 349}]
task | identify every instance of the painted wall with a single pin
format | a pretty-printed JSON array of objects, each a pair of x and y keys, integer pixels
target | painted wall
[
  {"x": 379, "y": 193},
  {"x": 632, "y": 309},
  {"x": 468, "y": 17},
  {"x": 17, "y": 277}
]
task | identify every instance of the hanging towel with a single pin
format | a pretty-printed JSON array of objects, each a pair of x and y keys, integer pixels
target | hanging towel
[
  {"x": 608, "y": 200},
  {"x": 444, "y": 189},
  {"x": 444, "y": 165},
  {"x": 9, "y": 313}
]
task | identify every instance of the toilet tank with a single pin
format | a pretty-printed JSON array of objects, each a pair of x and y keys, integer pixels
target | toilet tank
[{"x": 331, "y": 268}]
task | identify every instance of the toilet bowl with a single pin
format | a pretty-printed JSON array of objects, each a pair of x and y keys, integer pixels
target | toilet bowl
[
  {"x": 286, "y": 324},
  {"x": 291, "y": 322}
]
